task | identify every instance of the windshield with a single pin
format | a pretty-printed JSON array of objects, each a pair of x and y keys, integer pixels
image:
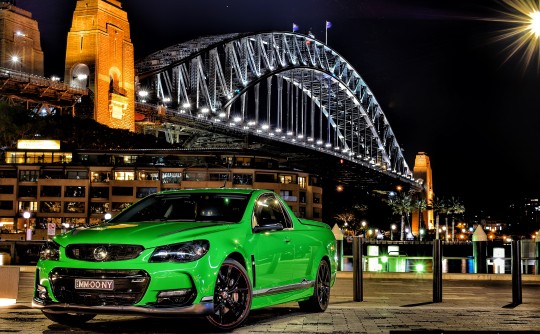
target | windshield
[{"x": 186, "y": 207}]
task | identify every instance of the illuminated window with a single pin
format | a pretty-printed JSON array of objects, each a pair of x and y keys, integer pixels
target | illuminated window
[
  {"x": 148, "y": 175},
  {"x": 195, "y": 176},
  {"x": 130, "y": 159},
  {"x": 124, "y": 176},
  {"x": 287, "y": 179},
  {"x": 288, "y": 195},
  {"x": 171, "y": 178},
  {"x": 119, "y": 206},
  {"x": 99, "y": 208},
  {"x": 74, "y": 207},
  {"x": 244, "y": 162},
  {"x": 28, "y": 206},
  {"x": 50, "y": 207},
  {"x": 302, "y": 182},
  {"x": 100, "y": 176}
]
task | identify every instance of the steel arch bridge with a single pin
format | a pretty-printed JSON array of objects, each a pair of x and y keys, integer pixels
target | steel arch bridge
[{"x": 281, "y": 87}]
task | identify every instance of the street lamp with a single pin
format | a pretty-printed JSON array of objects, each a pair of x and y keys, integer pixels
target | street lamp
[
  {"x": 16, "y": 60},
  {"x": 27, "y": 229},
  {"x": 393, "y": 228}
]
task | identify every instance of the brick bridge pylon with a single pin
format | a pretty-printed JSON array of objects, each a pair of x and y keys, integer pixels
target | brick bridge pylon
[{"x": 100, "y": 57}]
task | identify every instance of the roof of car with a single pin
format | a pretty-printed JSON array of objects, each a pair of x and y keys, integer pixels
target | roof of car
[{"x": 213, "y": 190}]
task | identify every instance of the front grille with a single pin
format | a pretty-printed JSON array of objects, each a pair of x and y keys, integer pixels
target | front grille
[
  {"x": 103, "y": 252},
  {"x": 129, "y": 286}
]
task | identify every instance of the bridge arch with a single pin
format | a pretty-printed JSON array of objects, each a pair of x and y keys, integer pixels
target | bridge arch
[{"x": 279, "y": 85}]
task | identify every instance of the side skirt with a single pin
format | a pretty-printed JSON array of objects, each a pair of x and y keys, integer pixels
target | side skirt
[{"x": 282, "y": 294}]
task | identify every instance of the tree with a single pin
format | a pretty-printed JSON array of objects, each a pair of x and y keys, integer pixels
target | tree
[
  {"x": 439, "y": 206},
  {"x": 401, "y": 205},
  {"x": 455, "y": 207},
  {"x": 347, "y": 219},
  {"x": 421, "y": 206}
]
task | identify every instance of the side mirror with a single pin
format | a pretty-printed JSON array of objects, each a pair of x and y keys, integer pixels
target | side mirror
[{"x": 268, "y": 227}]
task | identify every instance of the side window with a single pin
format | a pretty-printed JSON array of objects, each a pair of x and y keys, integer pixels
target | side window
[{"x": 269, "y": 210}]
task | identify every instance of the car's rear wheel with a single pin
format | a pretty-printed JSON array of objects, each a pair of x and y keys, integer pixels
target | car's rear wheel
[
  {"x": 232, "y": 296},
  {"x": 70, "y": 319},
  {"x": 318, "y": 302}
]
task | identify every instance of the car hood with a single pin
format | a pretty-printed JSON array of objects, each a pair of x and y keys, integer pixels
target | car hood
[{"x": 147, "y": 234}]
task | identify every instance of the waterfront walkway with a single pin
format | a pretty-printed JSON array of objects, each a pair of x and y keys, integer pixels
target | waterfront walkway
[{"x": 392, "y": 303}]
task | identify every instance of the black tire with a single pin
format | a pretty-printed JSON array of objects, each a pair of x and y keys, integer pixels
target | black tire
[
  {"x": 232, "y": 296},
  {"x": 69, "y": 319},
  {"x": 321, "y": 292}
]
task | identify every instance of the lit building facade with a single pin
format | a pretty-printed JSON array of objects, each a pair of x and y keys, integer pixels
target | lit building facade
[
  {"x": 70, "y": 189},
  {"x": 100, "y": 57},
  {"x": 20, "y": 40},
  {"x": 422, "y": 170}
]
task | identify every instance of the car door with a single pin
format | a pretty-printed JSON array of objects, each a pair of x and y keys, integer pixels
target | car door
[{"x": 274, "y": 250}]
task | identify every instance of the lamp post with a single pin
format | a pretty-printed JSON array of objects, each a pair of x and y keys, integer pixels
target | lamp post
[
  {"x": 393, "y": 228},
  {"x": 27, "y": 228}
]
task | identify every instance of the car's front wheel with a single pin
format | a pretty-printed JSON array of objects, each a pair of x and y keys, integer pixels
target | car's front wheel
[
  {"x": 318, "y": 302},
  {"x": 232, "y": 296},
  {"x": 69, "y": 319}
]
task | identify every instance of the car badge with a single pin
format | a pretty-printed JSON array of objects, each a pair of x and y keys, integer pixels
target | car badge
[{"x": 100, "y": 253}]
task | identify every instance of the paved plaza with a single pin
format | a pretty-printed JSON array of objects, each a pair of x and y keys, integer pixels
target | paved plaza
[{"x": 391, "y": 304}]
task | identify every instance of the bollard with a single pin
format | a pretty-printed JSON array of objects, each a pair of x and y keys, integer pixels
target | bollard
[
  {"x": 339, "y": 253},
  {"x": 479, "y": 239},
  {"x": 516, "y": 272},
  {"x": 537, "y": 262},
  {"x": 437, "y": 271},
  {"x": 358, "y": 290},
  {"x": 338, "y": 234}
]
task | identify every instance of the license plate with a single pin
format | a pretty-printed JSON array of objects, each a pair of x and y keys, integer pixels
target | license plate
[{"x": 94, "y": 284}]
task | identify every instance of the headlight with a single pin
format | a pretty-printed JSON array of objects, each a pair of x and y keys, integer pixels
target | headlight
[
  {"x": 50, "y": 251},
  {"x": 182, "y": 252}
]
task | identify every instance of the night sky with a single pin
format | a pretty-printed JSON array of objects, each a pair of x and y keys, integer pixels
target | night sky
[{"x": 434, "y": 66}]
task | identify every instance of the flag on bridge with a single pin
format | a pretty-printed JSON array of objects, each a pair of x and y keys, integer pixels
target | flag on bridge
[
  {"x": 328, "y": 26},
  {"x": 295, "y": 27}
]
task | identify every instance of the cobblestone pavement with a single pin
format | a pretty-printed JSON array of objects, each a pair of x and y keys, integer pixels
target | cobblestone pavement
[{"x": 389, "y": 305}]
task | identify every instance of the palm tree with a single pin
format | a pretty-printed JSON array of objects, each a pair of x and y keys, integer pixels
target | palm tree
[
  {"x": 439, "y": 206},
  {"x": 455, "y": 207},
  {"x": 421, "y": 205},
  {"x": 401, "y": 205}
]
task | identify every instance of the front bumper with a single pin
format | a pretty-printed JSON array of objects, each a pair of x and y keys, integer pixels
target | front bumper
[{"x": 203, "y": 308}]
